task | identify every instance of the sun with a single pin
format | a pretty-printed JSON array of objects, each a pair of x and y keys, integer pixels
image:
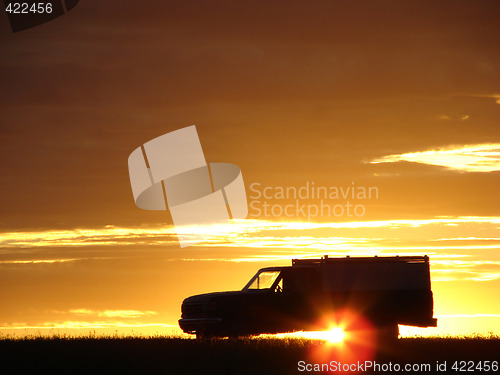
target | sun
[{"x": 335, "y": 335}]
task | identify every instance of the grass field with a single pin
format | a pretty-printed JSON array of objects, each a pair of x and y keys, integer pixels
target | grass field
[{"x": 171, "y": 355}]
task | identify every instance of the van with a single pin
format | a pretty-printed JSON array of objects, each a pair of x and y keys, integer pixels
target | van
[{"x": 384, "y": 291}]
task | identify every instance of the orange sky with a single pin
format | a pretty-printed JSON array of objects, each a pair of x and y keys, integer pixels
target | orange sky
[{"x": 399, "y": 96}]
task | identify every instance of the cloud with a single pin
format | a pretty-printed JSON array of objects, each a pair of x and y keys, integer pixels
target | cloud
[
  {"x": 468, "y": 269},
  {"x": 71, "y": 324},
  {"x": 113, "y": 313},
  {"x": 466, "y": 158},
  {"x": 460, "y": 248},
  {"x": 463, "y": 117},
  {"x": 38, "y": 261},
  {"x": 496, "y": 97},
  {"x": 83, "y": 318},
  {"x": 251, "y": 233},
  {"x": 468, "y": 316},
  {"x": 106, "y": 236}
]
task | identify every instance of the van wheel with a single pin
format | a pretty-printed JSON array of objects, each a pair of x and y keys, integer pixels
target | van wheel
[
  {"x": 204, "y": 334},
  {"x": 388, "y": 332}
]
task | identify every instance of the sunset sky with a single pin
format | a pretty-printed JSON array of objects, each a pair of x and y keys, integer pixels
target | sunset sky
[{"x": 397, "y": 98}]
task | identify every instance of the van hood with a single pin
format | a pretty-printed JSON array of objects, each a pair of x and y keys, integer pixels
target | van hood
[{"x": 205, "y": 298}]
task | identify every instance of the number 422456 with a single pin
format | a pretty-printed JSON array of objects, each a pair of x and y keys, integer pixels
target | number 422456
[{"x": 25, "y": 8}]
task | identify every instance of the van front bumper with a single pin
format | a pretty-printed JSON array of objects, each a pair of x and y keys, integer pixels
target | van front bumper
[{"x": 196, "y": 324}]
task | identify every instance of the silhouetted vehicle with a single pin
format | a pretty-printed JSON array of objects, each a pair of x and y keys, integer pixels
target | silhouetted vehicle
[{"x": 385, "y": 291}]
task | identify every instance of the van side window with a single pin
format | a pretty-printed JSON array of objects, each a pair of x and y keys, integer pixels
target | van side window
[{"x": 264, "y": 280}]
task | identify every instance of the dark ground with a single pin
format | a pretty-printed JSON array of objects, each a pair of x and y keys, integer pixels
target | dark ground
[{"x": 163, "y": 355}]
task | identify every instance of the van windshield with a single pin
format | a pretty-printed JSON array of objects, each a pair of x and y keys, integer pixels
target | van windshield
[{"x": 263, "y": 280}]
